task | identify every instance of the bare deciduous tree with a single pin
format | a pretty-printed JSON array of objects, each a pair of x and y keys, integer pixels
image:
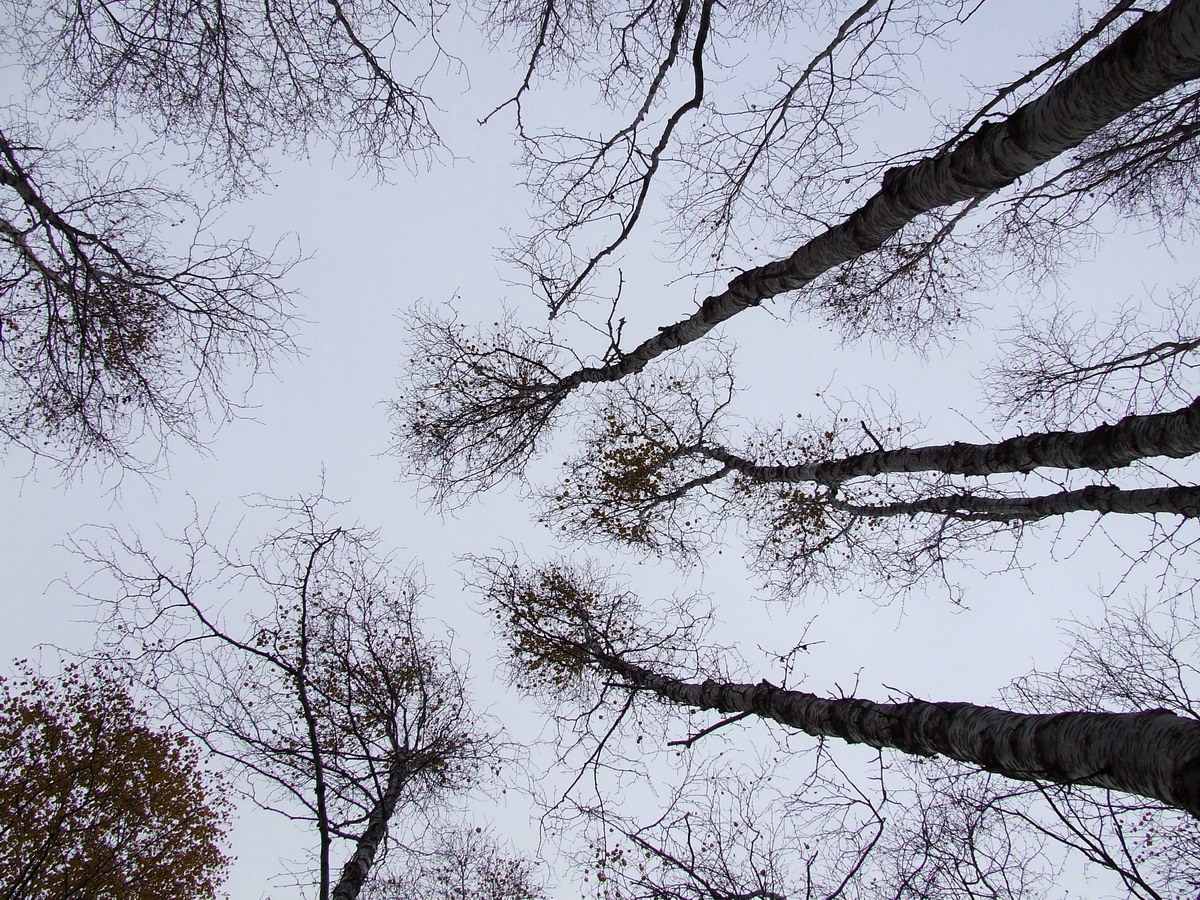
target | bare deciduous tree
[
  {"x": 571, "y": 631},
  {"x": 232, "y": 81},
  {"x": 1151, "y": 58},
  {"x": 460, "y": 864},
  {"x": 753, "y": 833},
  {"x": 108, "y": 333},
  {"x": 762, "y": 151},
  {"x": 845, "y": 500},
  {"x": 333, "y": 703},
  {"x": 108, "y": 330}
]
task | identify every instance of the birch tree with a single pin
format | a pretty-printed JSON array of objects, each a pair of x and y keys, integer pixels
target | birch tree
[
  {"x": 756, "y": 152},
  {"x": 332, "y": 704},
  {"x": 569, "y": 632},
  {"x": 113, "y": 337},
  {"x": 756, "y": 158},
  {"x": 808, "y": 818},
  {"x": 848, "y": 498},
  {"x": 805, "y": 819},
  {"x": 477, "y": 404}
]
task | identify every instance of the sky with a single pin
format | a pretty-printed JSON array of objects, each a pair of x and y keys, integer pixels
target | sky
[{"x": 374, "y": 249}]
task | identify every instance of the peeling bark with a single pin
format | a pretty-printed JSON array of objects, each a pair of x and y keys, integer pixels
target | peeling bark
[{"x": 1153, "y": 754}]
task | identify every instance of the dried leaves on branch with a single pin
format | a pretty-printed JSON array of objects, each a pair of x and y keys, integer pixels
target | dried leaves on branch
[
  {"x": 559, "y": 621},
  {"x": 1156, "y": 55},
  {"x": 845, "y": 500},
  {"x": 1034, "y": 787},
  {"x": 98, "y": 801}
]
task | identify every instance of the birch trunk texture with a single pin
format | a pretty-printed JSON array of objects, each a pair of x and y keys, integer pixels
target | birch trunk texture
[
  {"x": 1158, "y": 52},
  {"x": 356, "y": 870},
  {"x": 1099, "y": 498},
  {"x": 1174, "y": 434},
  {"x": 1154, "y": 754}
]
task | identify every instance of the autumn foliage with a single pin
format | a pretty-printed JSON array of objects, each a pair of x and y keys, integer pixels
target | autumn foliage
[{"x": 95, "y": 803}]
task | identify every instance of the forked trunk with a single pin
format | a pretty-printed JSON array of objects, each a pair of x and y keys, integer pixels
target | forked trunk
[{"x": 355, "y": 872}]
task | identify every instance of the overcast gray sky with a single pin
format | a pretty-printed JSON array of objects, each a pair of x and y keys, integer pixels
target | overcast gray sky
[{"x": 377, "y": 248}]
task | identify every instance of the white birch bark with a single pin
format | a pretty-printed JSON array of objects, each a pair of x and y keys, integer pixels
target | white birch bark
[
  {"x": 356, "y": 870},
  {"x": 1181, "y": 501},
  {"x": 1158, "y": 52},
  {"x": 1174, "y": 434},
  {"x": 477, "y": 413},
  {"x": 1153, "y": 754}
]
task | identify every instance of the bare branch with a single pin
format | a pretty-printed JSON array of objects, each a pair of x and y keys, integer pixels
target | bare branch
[
  {"x": 333, "y": 702},
  {"x": 232, "y": 80},
  {"x": 105, "y": 334},
  {"x": 1154, "y": 56}
]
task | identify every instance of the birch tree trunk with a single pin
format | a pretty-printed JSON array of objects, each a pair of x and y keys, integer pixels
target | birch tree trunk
[
  {"x": 1153, "y": 754},
  {"x": 478, "y": 405},
  {"x": 1181, "y": 501},
  {"x": 1175, "y": 434},
  {"x": 355, "y": 872},
  {"x": 1158, "y": 52}
]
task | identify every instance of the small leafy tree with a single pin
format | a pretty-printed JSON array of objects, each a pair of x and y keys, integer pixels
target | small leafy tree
[{"x": 96, "y": 802}]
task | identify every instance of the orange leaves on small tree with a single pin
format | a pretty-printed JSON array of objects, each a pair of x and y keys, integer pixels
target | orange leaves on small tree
[{"x": 95, "y": 802}]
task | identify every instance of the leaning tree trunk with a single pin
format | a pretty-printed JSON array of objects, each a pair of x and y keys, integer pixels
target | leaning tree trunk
[
  {"x": 1099, "y": 498},
  {"x": 1174, "y": 434},
  {"x": 355, "y": 872},
  {"x": 1158, "y": 52},
  {"x": 1154, "y": 754}
]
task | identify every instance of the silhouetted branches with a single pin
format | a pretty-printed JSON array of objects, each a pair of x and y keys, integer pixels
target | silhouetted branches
[
  {"x": 108, "y": 332},
  {"x": 332, "y": 703},
  {"x": 233, "y": 80}
]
